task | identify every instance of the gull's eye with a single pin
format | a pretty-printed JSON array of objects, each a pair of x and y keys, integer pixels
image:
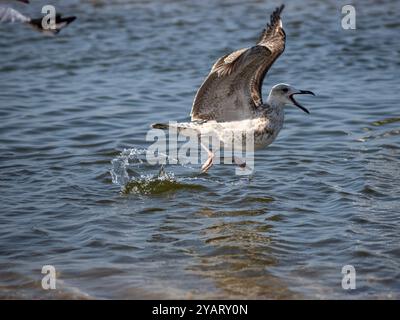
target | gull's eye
[{"x": 285, "y": 90}]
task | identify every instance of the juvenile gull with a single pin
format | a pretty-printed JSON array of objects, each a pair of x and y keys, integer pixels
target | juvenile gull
[
  {"x": 229, "y": 102},
  {"x": 8, "y": 14}
]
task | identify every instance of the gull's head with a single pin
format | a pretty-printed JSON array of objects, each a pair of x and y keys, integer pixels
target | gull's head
[{"x": 283, "y": 94}]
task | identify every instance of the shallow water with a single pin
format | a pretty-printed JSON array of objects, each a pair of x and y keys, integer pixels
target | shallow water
[{"x": 75, "y": 110}]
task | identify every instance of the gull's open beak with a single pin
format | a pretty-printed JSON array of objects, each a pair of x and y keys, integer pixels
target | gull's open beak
[{"x": 298, "y": 104}]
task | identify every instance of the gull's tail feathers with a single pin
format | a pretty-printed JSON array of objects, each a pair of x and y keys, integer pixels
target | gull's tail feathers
[
  {"x": 188, "y": 128},
  {"x": 162, "y": 126}
]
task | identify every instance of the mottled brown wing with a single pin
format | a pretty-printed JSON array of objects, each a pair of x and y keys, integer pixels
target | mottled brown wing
[
  {"x": 273, "y": 37},
  {"x": 232, "y": 89}
]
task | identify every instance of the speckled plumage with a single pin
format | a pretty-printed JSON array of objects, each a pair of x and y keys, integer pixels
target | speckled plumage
[
  {"x": 229, "y": 102},
  {"x": 264, "y": 125},
  {"x": 232, "y": 90}
]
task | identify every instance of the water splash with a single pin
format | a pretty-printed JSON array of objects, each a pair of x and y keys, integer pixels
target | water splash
[
  {"x": 158, "y": 184},
  {"x": 128, "y": 171},
  {"x": 128, "y": 160}
]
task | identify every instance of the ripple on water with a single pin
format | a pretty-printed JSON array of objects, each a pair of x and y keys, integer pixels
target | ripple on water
[{"x": 319, "y": 198}]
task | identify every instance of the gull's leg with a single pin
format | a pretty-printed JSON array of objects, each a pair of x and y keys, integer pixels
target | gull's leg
[
  {"x": 161, "y": 173},
  {"x": 240, "y": 163},
  {"x": 209, "y": 162}
]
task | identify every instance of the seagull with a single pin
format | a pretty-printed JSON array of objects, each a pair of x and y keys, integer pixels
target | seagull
[
  {"x": 8, "y": 14},
  {"x": 229, "y": 102}
]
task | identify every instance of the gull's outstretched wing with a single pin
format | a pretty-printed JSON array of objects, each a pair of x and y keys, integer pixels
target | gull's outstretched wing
[
  {"x": 8, "y": 14},
  {"x": 60, "y": 23},
  {"x": 232, "y": 90}
]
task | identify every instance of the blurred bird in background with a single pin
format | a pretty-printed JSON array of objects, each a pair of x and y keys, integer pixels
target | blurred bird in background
[{"x": 8, "y": 14}]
